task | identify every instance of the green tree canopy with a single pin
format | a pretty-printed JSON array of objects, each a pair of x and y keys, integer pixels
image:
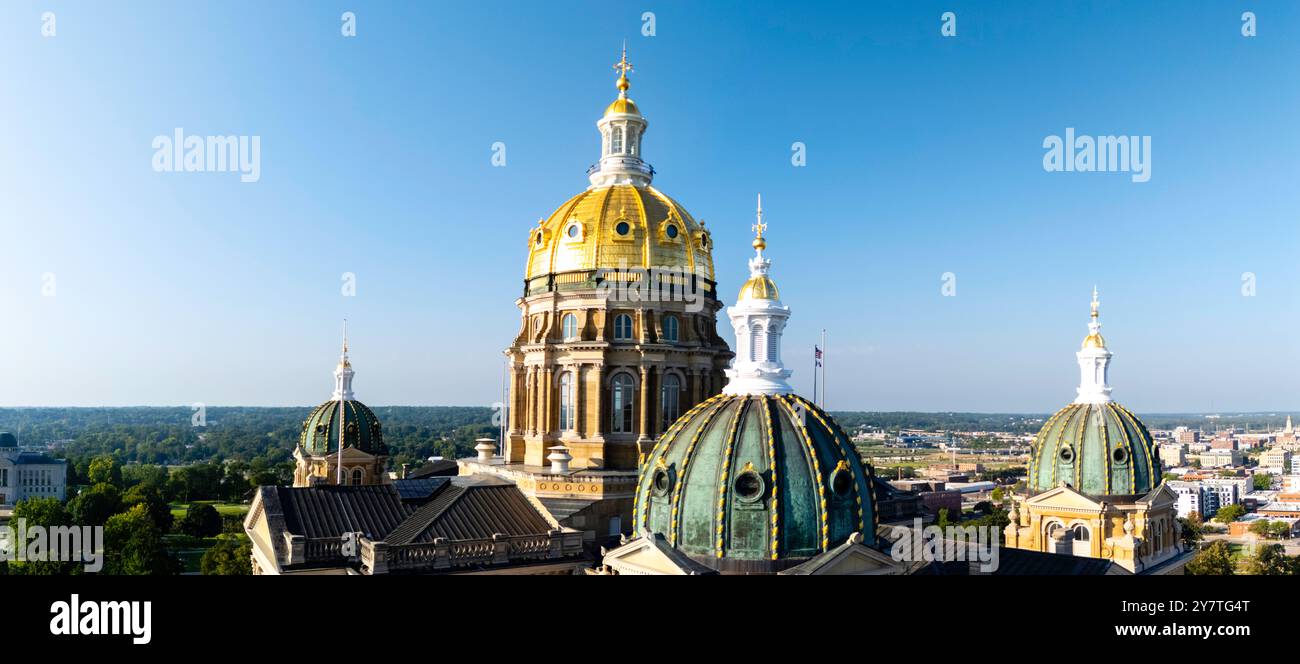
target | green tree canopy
[
  {"x": 93, "y": 506},
  {"x": 201, "y": 520},
  {"x": 151, "y": 497},
  {"x": 1213, "y": 560},
  {"x": 1271, "y": 560},
  {"x": 104, "y": 470},
  {"x": 47, "y": 513},
  {"x": 133, "y": 545},
  {"x": 230, "y": 556},
  {"x": 1230, "y": 513}
]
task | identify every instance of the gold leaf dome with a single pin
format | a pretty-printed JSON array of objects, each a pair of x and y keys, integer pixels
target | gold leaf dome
[
  {"x": 759, "y": 288},
  {"x": 619, "y": 226},
  {"x": 622, "y": 105},
  {"x": 1094, "y": 341}
]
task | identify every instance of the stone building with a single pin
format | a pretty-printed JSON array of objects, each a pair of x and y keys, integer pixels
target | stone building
[
  {"x": 29, "y": 474},
  {"x": 617, "y": 336},
  {"x": 1095, "y": 485},
  {"x": 364, "y": 455}
]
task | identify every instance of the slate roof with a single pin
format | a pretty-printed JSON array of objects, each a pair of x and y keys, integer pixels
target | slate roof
[
  {"x": 1022, "y": 562},
  {"x": 419, "y": 490},
  {"x": 439, "y": 468},
  {"x": 36, "y": 458},
  {"x": 330, "y": 511},
  {"x": 472, "y": 511}
]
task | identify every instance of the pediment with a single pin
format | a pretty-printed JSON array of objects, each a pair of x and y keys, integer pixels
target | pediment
[{"x": 1064, "y": 497}]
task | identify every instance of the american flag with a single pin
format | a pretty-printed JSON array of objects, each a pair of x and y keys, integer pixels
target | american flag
[{"x": 817, "y": 355}]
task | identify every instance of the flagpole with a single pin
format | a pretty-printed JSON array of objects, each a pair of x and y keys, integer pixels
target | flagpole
[
  {"x": 817, "y": 362},
  {"x": 823, "y": 401}
]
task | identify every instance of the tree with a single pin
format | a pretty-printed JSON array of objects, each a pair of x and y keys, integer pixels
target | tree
[
  {"x": 104, "y": 470},
  {"x": 1271, "y": 560},
  {"x": 1230, "y": 513},
  {"x": 997, "y": 495},
  {"x": 1213, "y": 560},
  {"x": 201, "y": 520},
  {"x": 230, "y": 556},
  {"x": 93, "y": 506},
  {"x": 47, "y": 513},
  {"x": 1262, "y": 528},
  {"x": 154, "y": 503},
  {"x": 1191, "y": 531},
  {"x": 148, "y": 475},
  {"x": 133, "y": 545},
  {"x": 1263, "y": 481}
]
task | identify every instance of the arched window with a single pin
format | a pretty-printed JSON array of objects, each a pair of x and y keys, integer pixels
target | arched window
[
  {"x": 569, "y": 326},
  {"x": 757, "y": 340},
  {"x": 617, "y": 147},
  {"x": 566, "y": 401},
  {"x": 670, "y": 329},
  {"x": 357, "y": 476},
  {"x": 622, "y": 327},
  {"x": 771, "y": 346},
  {"x": 672, "y": 399},
  {"x": 1080, "y": 533},
  {"x": 620, "y": 400}
]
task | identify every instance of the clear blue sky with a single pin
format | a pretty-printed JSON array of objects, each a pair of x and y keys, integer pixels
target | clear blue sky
[{"x": 924, "y": 157}]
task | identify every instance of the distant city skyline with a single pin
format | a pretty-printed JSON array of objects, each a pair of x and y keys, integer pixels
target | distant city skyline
[{"x": 129, "y": 286}]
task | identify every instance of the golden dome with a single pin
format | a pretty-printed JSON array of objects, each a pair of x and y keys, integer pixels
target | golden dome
[
  {"x": 622, "y": 105},
  {"x": 619, "y": 226},
  {"x": 759, "y": 288},
  {"x": 1094, "y": 341}
]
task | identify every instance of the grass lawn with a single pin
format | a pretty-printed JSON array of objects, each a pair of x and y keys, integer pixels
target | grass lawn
[{"x": 224, "y": 509}]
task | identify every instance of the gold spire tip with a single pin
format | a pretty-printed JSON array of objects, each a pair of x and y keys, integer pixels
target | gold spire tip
[
  {"x": 759, "y": 242},
  {"x": 623, "y": 67}
]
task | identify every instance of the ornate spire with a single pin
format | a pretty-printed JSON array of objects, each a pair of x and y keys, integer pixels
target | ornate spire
[
  {"x": 343, "y": 373},
  {"x": 1094, "y": 338},
  {"x": 621, "y": 129},
  {"x": 758, "y": 319},
  {"x": 1094, "y": 361},
  {"x": 759, "y": 242},
  {"x": 623, "y": 67}
]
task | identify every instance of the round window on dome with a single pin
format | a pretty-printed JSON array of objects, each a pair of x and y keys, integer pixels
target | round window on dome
[
  {"x": 1119, "y": 455},
  {"x": 671, "y": 232},
  {"x": 749, "y": 486},
  {"x": 662, "y": 482},
  {"x": 1067, "y": 454},
  {"x": 841, "y": 482},
  {"x": 623, "y": 228},
  {"x": 538, "y": 238},
  {"x": 573, "y": 231}
]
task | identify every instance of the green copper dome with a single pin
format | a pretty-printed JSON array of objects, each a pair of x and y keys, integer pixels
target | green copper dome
[
  {"x": 1098, "y": 449},
  {"x": 755, "y": 483},
  {"x": 320, "y": 434},
  {"x": 7, "y": 439}
]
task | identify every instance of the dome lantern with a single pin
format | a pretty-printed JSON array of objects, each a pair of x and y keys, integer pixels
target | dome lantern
[
  {"x": 621, "y": 129},
  {"x": 759, "y": 319},
  {"x": 1094, "y": 445}
]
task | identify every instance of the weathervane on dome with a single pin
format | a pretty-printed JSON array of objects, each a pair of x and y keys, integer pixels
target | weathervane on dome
[
  {"x": 623, "y": 67},
  {"x": 759, "y": 242}
]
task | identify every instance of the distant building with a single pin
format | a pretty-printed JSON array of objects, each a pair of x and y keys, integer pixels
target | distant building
[
  {"x": 1172, "y": 456},
  {"x": 29, "y": 474},
  {"x": 1186, "y": 436},
  {"x": 1276, "y": 461},
  {"x": 1220, "y": 458}
]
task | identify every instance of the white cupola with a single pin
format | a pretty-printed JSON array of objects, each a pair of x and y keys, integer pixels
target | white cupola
[
  {"x": 1094, "y": 363},
  {"x": 758, "y": 319}
]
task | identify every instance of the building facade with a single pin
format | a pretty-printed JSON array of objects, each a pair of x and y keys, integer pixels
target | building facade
[
  {"x": 1095, "y": 484},
  {"x": 617, "y": 336},
  {"x": 29, "y": 474}
]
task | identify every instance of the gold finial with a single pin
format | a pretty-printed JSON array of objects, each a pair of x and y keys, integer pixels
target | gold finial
[
  {"x": 759, "y": 243},
  {"x": 343, "y": 361},
  {"x": 1094, "y": 302},
  {"x": 623, "y": 67}
]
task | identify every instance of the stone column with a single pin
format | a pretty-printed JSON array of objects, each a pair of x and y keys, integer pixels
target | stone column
[
  {"x": 548, "y": 402},
  {"x": 596, "y": 430},
  {"x": 579, "y": 394},
  {"x": 643, "y": 430}
]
